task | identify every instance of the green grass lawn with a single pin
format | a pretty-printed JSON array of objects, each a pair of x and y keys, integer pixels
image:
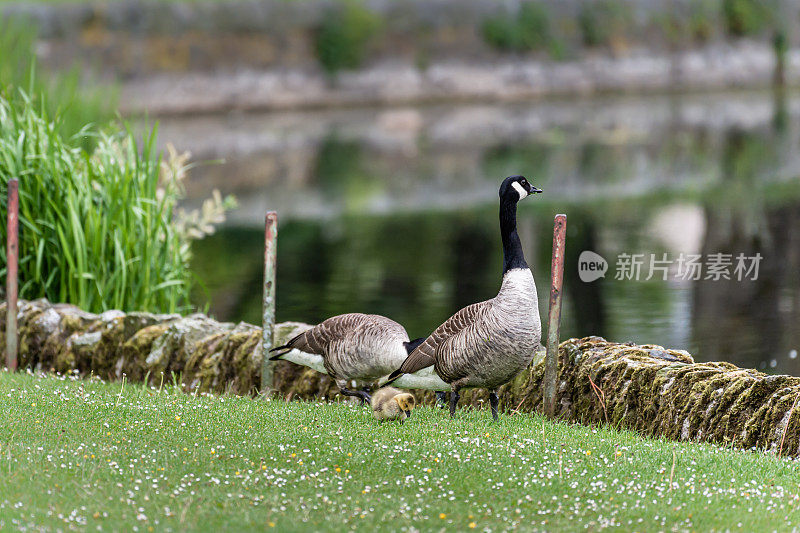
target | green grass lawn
[{"x": 84, "y": 454}]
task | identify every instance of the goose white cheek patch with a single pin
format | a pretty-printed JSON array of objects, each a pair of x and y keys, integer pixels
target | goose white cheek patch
[{"x": 522, "y": 192}]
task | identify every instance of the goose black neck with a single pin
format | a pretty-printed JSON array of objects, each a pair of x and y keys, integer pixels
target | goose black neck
[{"x": 513, "y": 257}]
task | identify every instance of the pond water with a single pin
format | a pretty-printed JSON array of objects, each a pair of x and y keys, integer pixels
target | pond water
[{"x": 394, "y": 211}]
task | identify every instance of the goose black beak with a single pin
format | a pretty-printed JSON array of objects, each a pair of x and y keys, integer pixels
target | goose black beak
[
  {"x": 535, "y": 190},
  {"x": 408, "y": 413}
]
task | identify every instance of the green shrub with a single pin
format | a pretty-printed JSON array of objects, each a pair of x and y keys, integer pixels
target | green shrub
[
  {"x": 99, "y": 228},
  {"x": 500, "y": 32},
  {"x": 345, "y": 34},
  {"x": 704, "y": 14},
  {"x": 591, "y": 31},
  {"x": 604, "y": 20},
  {"x": 745, "y": 17},
  {"x": 529, "y": 29},
  {"x": 672, "y": 26},
  {"x": 534, "y": 25},
  {"x": 695, "y": 23}
]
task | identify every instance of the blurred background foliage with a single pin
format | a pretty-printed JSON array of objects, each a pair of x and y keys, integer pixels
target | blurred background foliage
[
  {"x": 532, "y": 25},
  {"x": 78, "y": 102},
  {"x": 748, "y": 17},
  {"x": 343, "y": 38},
  {"x": 528, "y": 29}
]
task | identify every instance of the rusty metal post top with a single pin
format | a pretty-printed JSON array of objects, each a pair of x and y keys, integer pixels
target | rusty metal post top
[{"x": 272, "y": 216}]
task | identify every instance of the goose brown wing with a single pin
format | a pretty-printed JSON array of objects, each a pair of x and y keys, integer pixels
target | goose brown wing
[
  {"x": 317, "y": 339},
  {"x": 425, "y": 354}
]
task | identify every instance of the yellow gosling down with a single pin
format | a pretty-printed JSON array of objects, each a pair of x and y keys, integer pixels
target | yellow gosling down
[{"x": 389, "y": 403}]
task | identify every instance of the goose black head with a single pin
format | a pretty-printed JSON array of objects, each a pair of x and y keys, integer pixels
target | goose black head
[{"x": 516, "y": 188}]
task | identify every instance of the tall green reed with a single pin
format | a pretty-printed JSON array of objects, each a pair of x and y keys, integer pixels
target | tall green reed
[{"x": 99, "y": 227}]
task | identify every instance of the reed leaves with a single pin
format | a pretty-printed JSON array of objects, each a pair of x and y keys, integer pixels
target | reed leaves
[{"x": 99, "y": 227}]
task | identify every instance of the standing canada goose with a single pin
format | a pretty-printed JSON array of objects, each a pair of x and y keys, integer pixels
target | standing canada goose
[
  {"x": 486, "y": 344},
  {"x": 354, "y": 347},
  {"x": 389, "y": 403}
]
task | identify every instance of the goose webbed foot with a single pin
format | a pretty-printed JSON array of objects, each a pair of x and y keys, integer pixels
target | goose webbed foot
[
  {"x": 363, "y": 394},
  {"x": 441, "y": 398},
  {"x": 453, "y": 401},
  {"x": 494, "y": 401}
]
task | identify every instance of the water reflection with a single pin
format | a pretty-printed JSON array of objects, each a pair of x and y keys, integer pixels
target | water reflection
[
  {"x": 752, "y": 317},
  {"x": 419, "y": 268},
  {"x": 397, "y": 214},
  {"x": 330, "y": 163}
]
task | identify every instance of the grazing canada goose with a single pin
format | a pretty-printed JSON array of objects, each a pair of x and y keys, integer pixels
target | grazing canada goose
[
  {"x": 354, "y": 347},
  {"x": 424, "y": 379},
  {"x": 389, "y": 403},
  {"x": 488, "y": 343}
]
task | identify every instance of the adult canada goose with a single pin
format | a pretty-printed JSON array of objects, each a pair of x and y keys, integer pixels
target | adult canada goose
[
  {"x": 389, "y": 403},
  {"x": 354, "y": 347},
  {"x": 488, "y": 343},
  {"x": 424, "y": 379}
]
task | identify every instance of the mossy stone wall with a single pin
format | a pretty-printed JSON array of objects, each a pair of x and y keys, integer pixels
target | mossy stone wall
[{"x": 646, "y": 388}]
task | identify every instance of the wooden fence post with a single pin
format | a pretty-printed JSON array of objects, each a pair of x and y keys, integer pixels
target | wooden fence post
[
  {"x": 557, "y": 278},
  {"x": 12, "y": 257},
  {"x": 268, "y": 309}
]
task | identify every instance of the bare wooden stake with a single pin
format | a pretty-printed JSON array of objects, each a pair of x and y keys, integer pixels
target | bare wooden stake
[
  {"x": 557, "y": 278},
  {"x": 12, "y": 257},
  {"x": 268, "y": 309}
]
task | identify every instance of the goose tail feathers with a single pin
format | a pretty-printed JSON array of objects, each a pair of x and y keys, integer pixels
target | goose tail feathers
[
  {"x": 286, "y": 348},
  {"x": 393, "y": 377},
  {"x": 277, "y": 356},
  {"x": 414, "y": 362}
]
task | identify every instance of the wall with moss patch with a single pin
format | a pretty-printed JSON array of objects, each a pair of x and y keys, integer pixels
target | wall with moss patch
[
  {"x": 647, "y": 388},
  {"x": 132, "y": 36}
]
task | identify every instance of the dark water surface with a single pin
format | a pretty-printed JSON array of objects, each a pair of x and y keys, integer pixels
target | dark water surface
[{"x": 395, "y": 212}]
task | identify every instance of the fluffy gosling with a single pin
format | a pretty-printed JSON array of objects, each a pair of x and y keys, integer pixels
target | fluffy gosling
[{"x": 389, "y": 403}]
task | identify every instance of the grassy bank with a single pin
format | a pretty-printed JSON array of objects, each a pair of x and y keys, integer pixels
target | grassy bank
[{"x": 78, "y": 453}]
